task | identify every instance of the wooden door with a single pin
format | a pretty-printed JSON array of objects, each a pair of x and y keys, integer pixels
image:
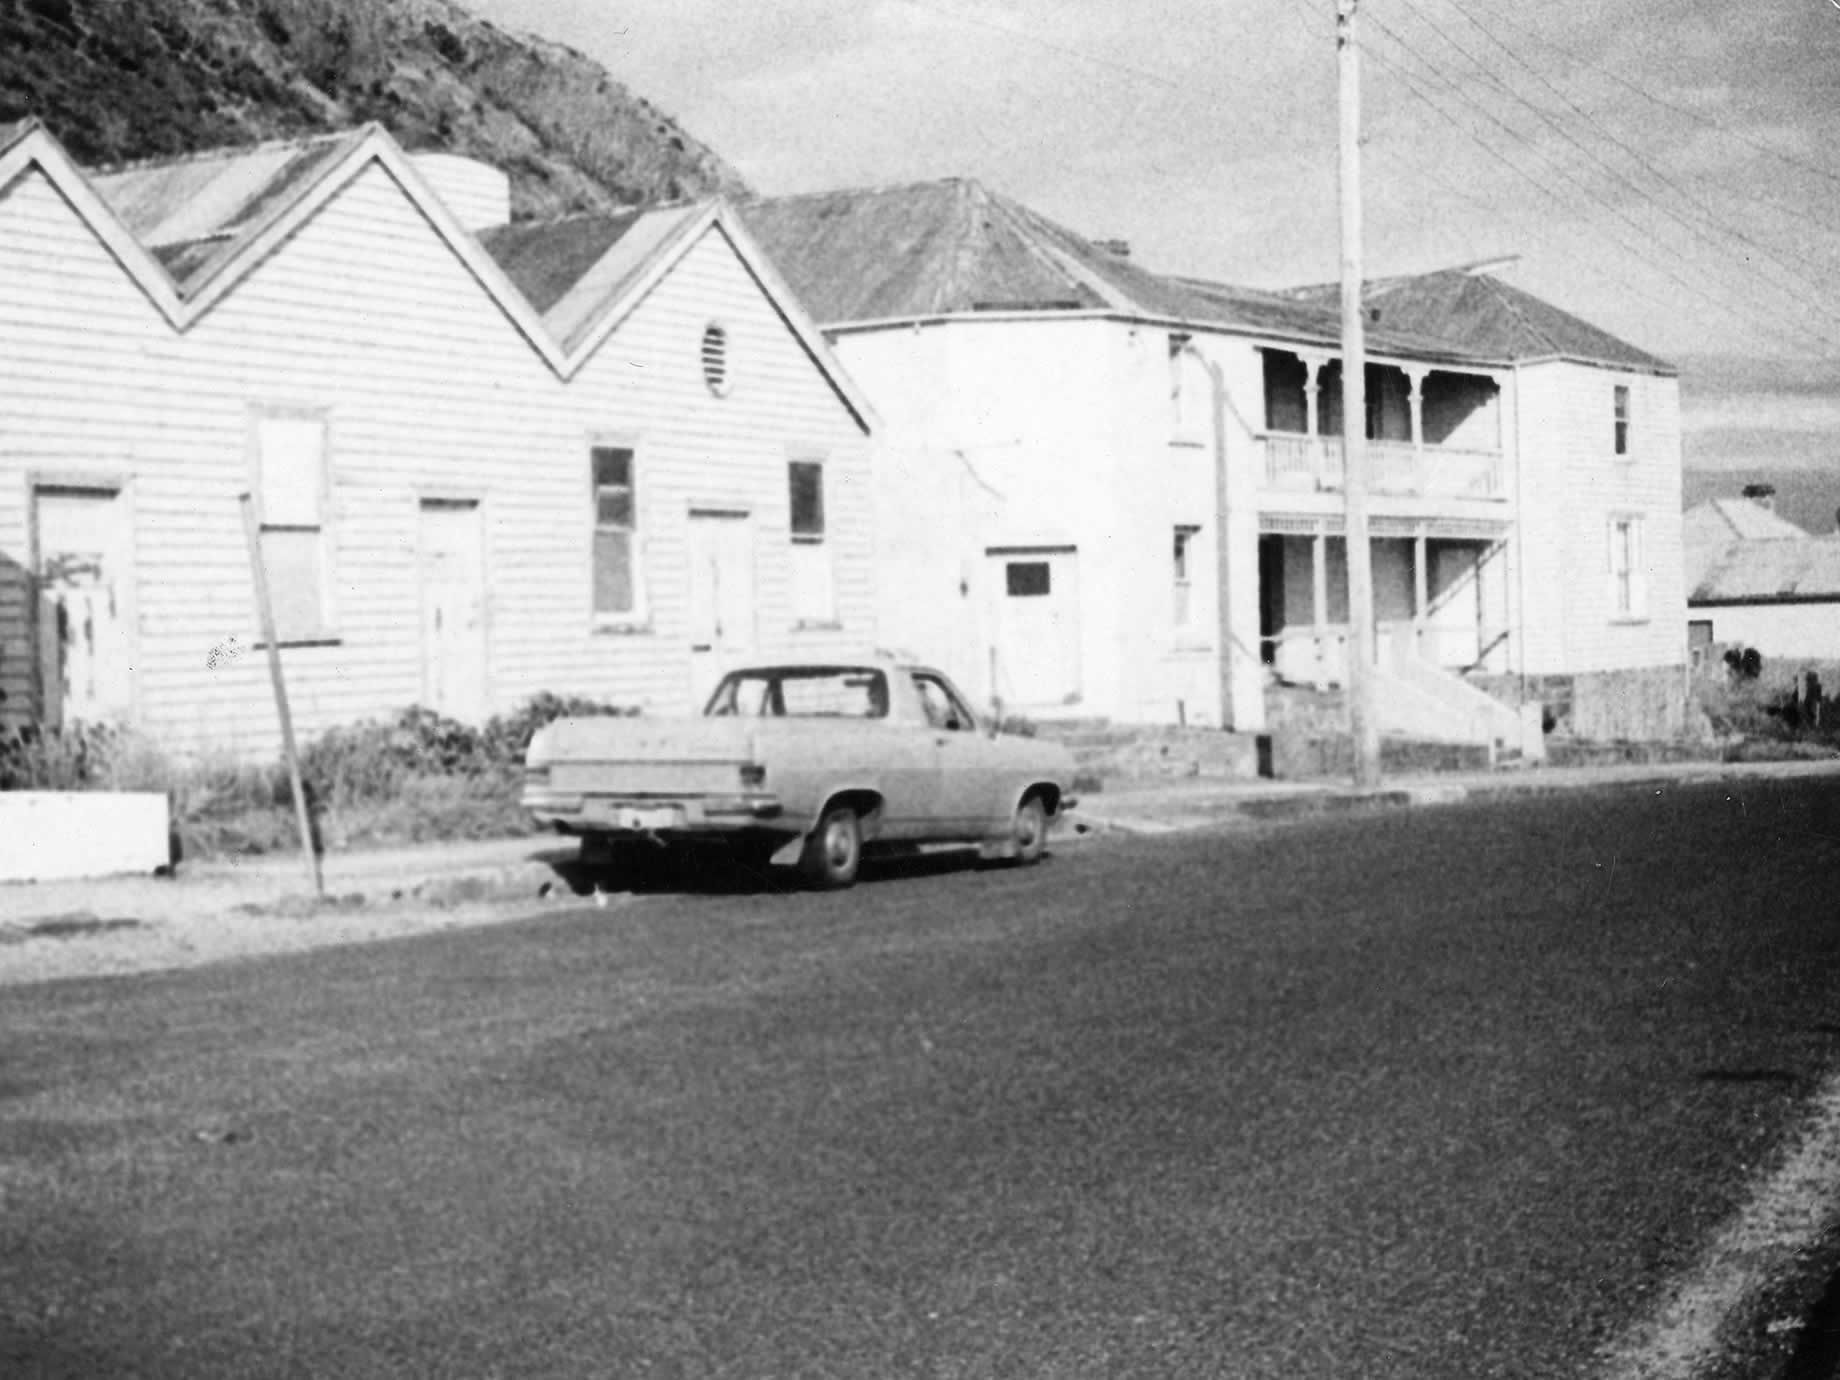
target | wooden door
[
  {"x": 1038, "y": 626},
  {"x": 451, "y": 573},
  {"x": 83, "y": 586},
  {"x": 722, "y": 603}
]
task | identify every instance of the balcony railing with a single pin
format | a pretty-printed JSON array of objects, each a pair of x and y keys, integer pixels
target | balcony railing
[{"x": 1294, "y": 461}]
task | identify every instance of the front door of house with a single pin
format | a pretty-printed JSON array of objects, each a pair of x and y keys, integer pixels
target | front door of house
[
  {"x": 1037, "y": 592},
  {"x": 451, "y": 572},
  {"x": 721, "y": 554},
  {"x": 84, "y": 648}
]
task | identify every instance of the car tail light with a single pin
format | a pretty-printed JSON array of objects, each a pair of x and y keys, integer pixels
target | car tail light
[
  {"x": 537, "y": 776},
  {"x": 753, "y": 774}
]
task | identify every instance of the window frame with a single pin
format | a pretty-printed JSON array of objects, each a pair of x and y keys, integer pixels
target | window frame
[
  {"x": 325, "y": 631},
  {"x": 1182, "y": 575},
  {"x": 804, "y": 543},
  {"x": 1621, "y": 413},
  {"x": 953, "y": 699},
  {"x": 1627, "y": 574},
  {"x": 634, "y": 617}
]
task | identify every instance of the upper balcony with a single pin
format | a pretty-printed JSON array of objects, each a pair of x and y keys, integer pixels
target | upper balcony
[
  {"x": 1432, "y": 433},
  {"x": 1313, "y": 464}
]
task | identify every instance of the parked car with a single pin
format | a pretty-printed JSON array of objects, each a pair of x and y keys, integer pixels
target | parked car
[{"x": 808, "y": 764}]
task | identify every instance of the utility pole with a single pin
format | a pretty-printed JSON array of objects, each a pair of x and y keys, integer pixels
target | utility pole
[{"x": 1363, "y": 721}]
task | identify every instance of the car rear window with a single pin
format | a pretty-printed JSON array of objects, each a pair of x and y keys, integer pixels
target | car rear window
[{"x": 818, "y": 692}]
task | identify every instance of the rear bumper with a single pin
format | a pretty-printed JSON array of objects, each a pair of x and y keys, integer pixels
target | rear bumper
[{"x": 585, "y": 812}]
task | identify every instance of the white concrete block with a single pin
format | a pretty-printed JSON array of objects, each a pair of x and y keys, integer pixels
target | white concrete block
[{"x": 59, "y": 835}]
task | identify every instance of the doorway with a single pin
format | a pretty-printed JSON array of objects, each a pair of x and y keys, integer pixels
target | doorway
[
  {"x": 722, "y": 624},
  {"x": 83, "y": 582},
  {"x": 451, "y": 572},
  {"x": 1037, "y": 592}
]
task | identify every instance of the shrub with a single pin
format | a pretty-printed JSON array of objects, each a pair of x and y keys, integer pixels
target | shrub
[
  {"x": 71, "y": 758},
  {"x": 408, "y": 778}
]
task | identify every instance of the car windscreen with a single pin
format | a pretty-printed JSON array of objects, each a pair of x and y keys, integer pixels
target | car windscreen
[{"x": 803, "y": 692}]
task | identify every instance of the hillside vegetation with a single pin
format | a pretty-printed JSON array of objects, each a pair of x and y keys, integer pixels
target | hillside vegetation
[{"x": 128, "y": 79}]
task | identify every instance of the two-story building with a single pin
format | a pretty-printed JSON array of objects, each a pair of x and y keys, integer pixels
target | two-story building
[{"x": 1109, "y": 492}]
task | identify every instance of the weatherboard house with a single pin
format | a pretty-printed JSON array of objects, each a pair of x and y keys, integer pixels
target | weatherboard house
[
  {"x": 1757, "y": 581},
  {"x": 595, "y": 456},
  {"x": 1111, "y": 492}
]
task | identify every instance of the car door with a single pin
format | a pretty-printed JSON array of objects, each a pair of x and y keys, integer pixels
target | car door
[{"x": 967, "y": 779}]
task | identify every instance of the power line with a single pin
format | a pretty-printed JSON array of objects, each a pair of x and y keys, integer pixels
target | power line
[
  {"x": 1769, "y": 335},
  {"x": 1741, "y": 312},
  {"x": 1687, "y": 111},
  {"x": 1801, "y": 283}
]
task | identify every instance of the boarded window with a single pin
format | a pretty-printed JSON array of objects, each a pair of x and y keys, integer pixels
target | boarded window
[
  {"x": 1026, "y": 579},
  {"x": 615, "y": 524},
  {"x": 813, "y": 580},
  {"x": 291, "y": 492},
  {"x": 1621, "y": 408}
]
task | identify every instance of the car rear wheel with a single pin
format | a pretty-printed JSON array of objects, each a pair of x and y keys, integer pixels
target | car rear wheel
[
  {"x": 833, "y": 853},
  {"x": 1030, "y": 831}
]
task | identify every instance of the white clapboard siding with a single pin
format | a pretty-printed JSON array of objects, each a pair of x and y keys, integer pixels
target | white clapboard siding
[
  {"x": 366, "y": 316},
  {"x": 1573, "y": 482}
]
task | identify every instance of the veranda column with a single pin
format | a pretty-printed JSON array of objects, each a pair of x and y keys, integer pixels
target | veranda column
[
  {"x": 1312, "y": 388},
  {"x": 1415, "y": 396}
]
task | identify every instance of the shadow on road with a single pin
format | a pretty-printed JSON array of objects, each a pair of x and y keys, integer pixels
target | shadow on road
[{"x": 718, "y": 872}]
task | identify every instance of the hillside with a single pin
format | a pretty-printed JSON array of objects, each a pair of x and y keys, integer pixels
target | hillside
[{"x": 126, "y": 79}]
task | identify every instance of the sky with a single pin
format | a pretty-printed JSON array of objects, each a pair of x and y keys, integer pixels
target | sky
[{"x": 1669, "y": 171}]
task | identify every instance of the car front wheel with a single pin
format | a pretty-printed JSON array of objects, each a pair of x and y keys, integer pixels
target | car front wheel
[
  {"x": 833, "y": 853},
  {"x": 1030, "y": 831}
]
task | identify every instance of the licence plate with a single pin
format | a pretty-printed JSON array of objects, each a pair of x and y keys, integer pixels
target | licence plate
[{"x": 656, "y": 817}]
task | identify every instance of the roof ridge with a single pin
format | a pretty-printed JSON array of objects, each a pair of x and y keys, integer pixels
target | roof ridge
[
  {"x": 1501, "y": 291},
  {"x": 226, "y": 151}
]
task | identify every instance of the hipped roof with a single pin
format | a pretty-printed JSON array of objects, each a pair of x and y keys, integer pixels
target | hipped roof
[
  {"x": 953, "y": 247},
  {"x": 1478, "y": 313},
  {"x": 1782, "y": 570}
]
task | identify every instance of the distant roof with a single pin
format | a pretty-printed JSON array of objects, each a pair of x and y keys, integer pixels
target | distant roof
[
  {"x": 1742, "y": 519},
  {"x": 196, "y": 213},
  {"x": 953, "y": 247},
  {"x": 1477, "y": 312},
  {"x": 572, "y": 268},
  {"x": 1782, "y": 571}
]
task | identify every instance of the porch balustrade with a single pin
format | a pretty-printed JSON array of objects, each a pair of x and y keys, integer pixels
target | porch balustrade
[{"x": 1297, "y": 461}]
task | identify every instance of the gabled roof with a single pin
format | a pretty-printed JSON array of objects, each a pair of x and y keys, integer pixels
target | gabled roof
[
  {"x": 568, "y": 269},
  {"x": 188, "y": 230},
  {"x": 1784, "y": 570},
  {"x": 199, "y": 212},
  {"x": 950, "y": 248},
  {"x": 584, "y": 273},
  {"x": 1479, "y": 314}
]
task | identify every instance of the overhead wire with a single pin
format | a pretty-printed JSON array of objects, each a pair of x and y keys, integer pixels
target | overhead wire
[
  {"x": 1642, "y": 253},
  {"x": 1687, "y": 111},
  {"x": 1801, "y": 283},
  {"x": 1765, "y": 333}
]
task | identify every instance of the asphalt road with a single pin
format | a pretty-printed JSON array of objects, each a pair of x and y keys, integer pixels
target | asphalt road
[{"x": 1439, "y": 1093}]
